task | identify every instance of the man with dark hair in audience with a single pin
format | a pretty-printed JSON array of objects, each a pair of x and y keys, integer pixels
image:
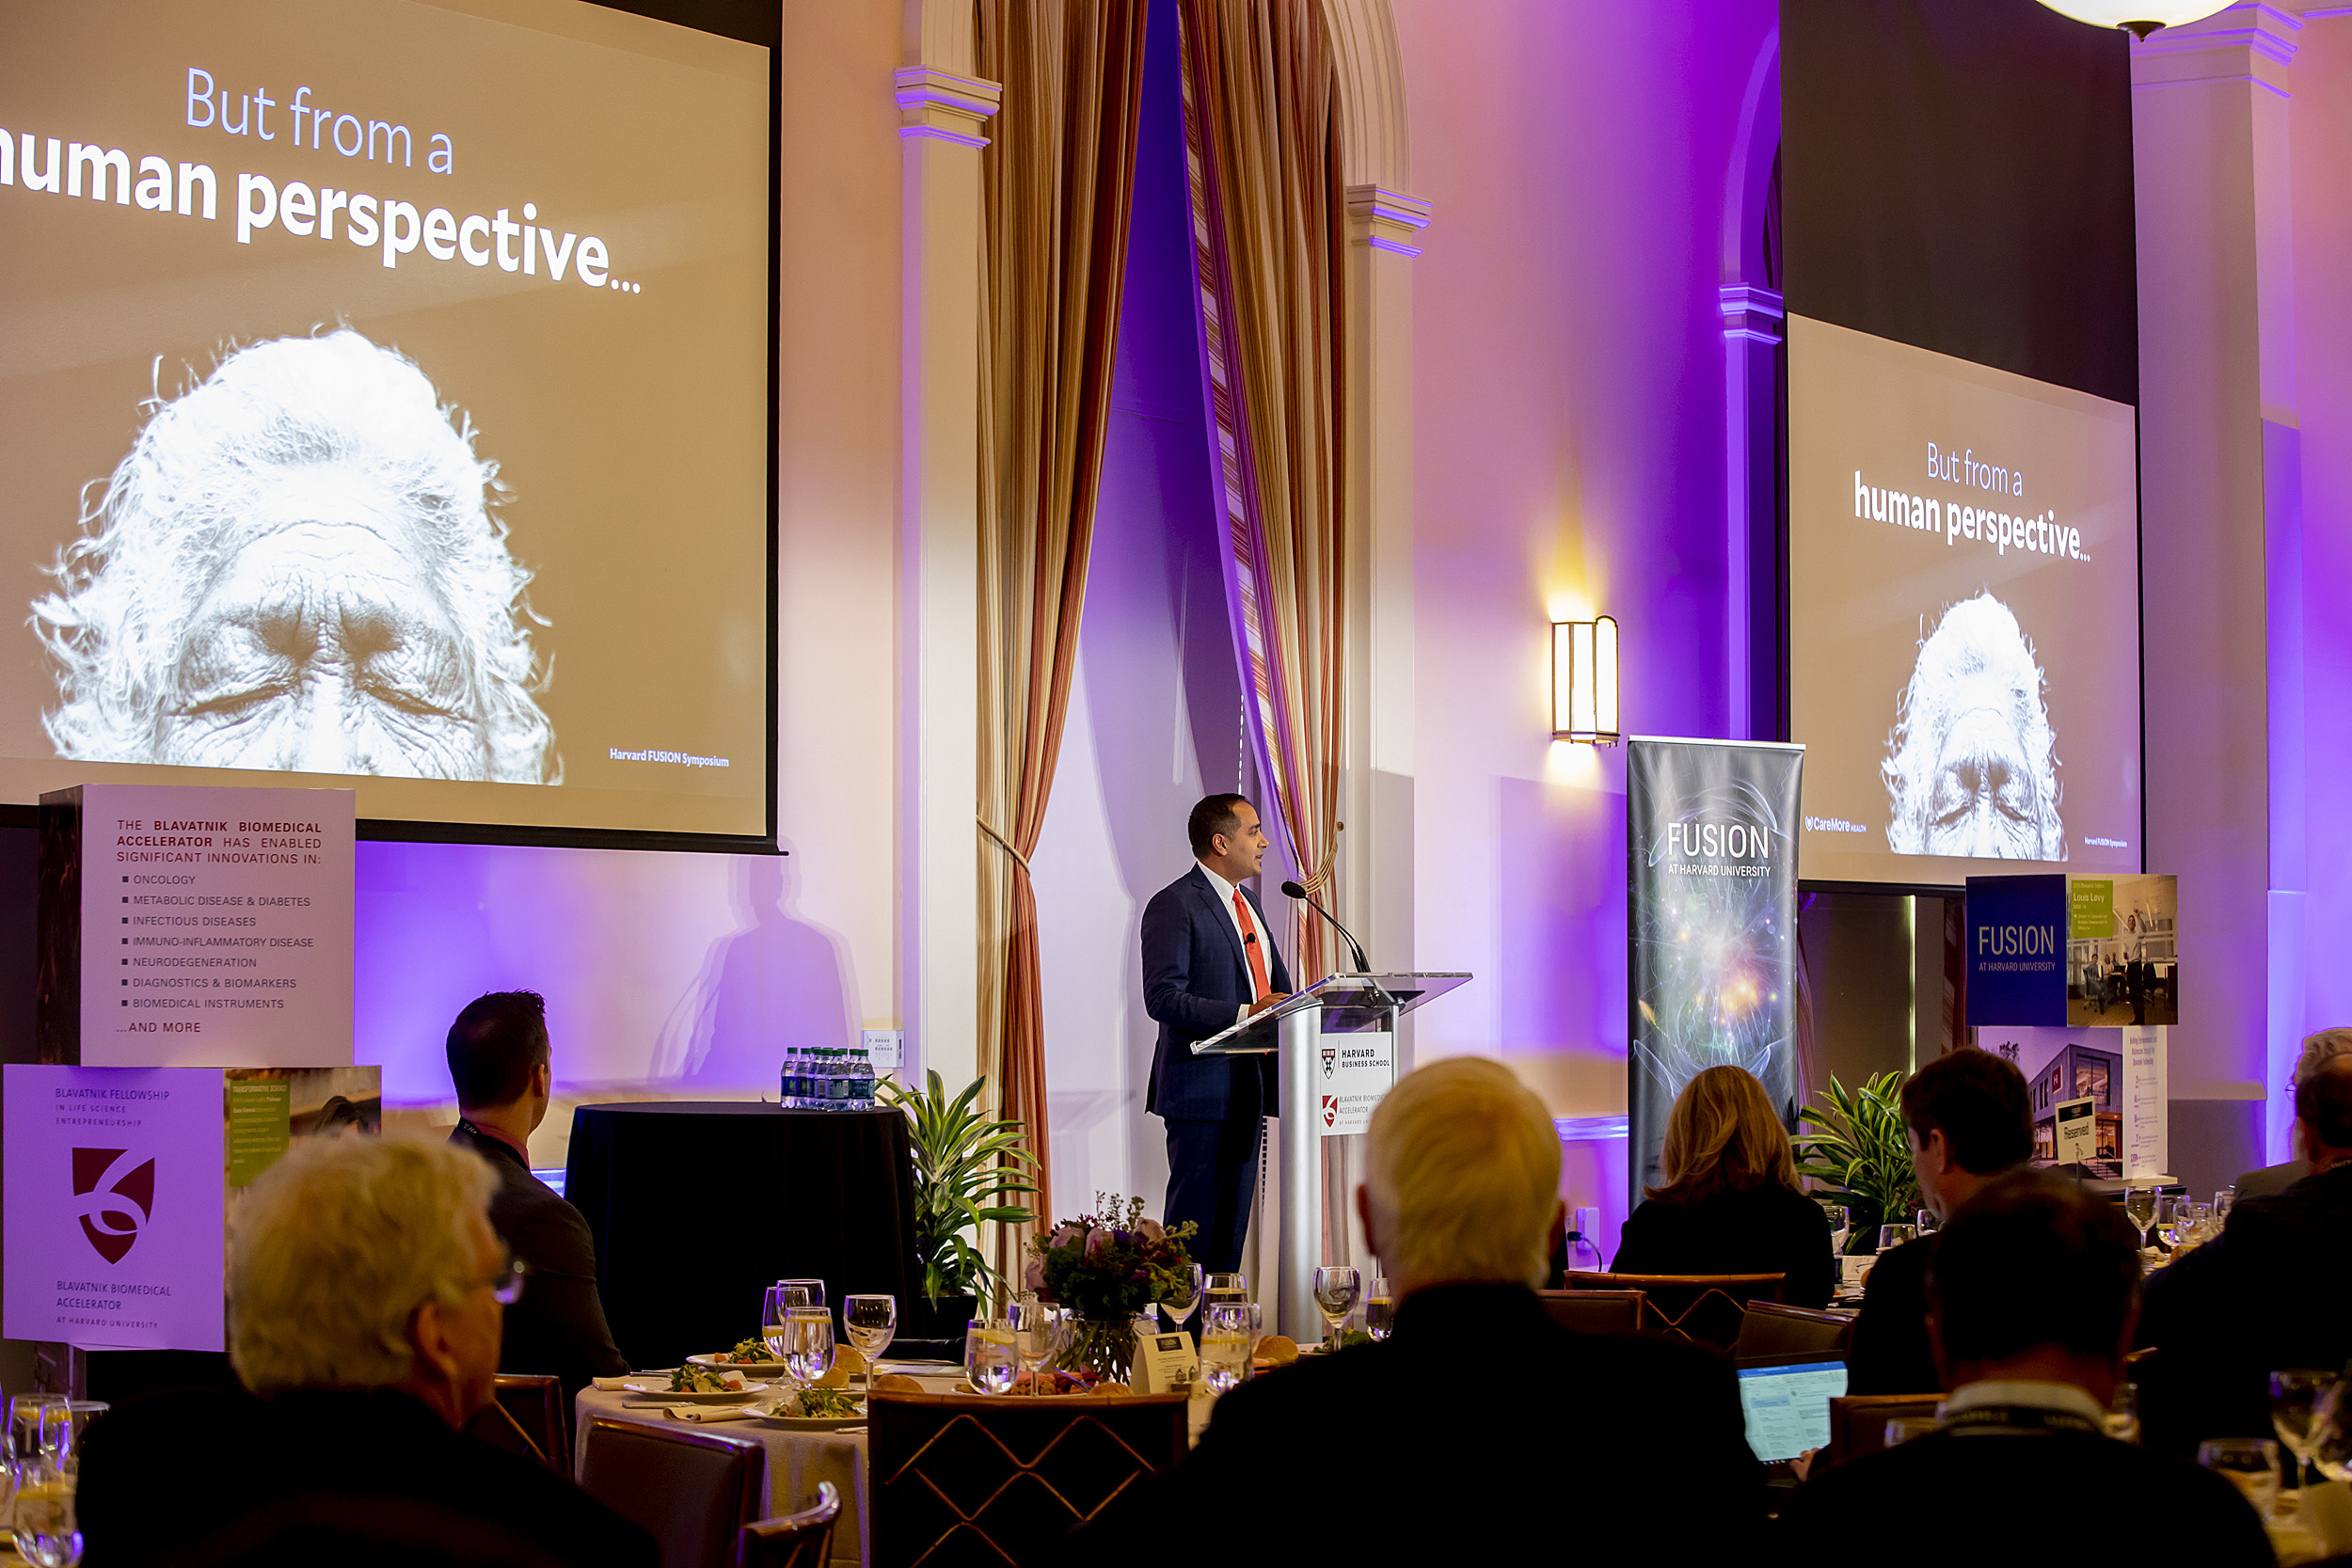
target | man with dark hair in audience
[
  {"x": 1968, "y": 1118},
  {"x": 365, "y": 1289},
  {"x": 1479, "y": 1431},
  {"x": 2032, "y": 1290},
  {"x": 499, "y": 1060},
  {"x": 2269, "y": 1296}
]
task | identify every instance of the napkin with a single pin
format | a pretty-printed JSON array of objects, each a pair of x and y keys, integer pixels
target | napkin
[
  {"x": 614, "y": 1384},
  {"x": 708, "y": 1413}
]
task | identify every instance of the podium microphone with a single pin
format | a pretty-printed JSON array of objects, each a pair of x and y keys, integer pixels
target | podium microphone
[{"x": 1294, "y": 890}]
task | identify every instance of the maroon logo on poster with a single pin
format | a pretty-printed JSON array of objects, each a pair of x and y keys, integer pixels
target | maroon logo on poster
[
  {"x": 119, "y": 1207},
  {"x": 1330, "y": 1054},
  {"x": 1330, "y": 1110}
]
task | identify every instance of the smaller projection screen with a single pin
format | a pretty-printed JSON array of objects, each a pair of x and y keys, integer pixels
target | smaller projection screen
[
  {"x": 384, "y": 402},
  {"x": 1963, "y": 615}
]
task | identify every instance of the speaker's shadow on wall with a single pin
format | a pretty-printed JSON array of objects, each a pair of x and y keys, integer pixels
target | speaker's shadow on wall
[{"x": 777, "y": 982}]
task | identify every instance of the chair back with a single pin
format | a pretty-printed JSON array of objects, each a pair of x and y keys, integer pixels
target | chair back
[
  {"x": 1703, "y": 1308},
  {"x": 1857, "y": 1423},
  {"x": 526, "y": 1418},
  {"x": 966, "y": 1478},
  {"x": 1770, "y": 1328},
  {"x": 1595, "y": 1311},
  {"x": 802, "y": 1540},
  {"x": 693, "y": 1490}
]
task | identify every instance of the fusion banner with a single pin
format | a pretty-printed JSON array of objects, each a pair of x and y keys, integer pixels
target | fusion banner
[{"x": 1711, "y": 923}]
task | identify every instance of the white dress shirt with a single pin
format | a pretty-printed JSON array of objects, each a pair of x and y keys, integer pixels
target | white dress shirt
[
  {"x": 2027, "y": 1396},
  {"x": 1225, "y": 892}
]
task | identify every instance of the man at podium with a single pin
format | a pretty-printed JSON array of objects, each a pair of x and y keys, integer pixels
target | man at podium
[{"x": 1209, "y": 961}]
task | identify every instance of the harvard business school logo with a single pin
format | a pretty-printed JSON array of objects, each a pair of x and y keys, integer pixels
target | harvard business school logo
[
  {"x": 120, "y": 1205},
  {"x": 1330, "y": 1054}
]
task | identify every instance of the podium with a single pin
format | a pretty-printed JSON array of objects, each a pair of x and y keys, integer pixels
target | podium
[{"x": 1298, "y": 1028}]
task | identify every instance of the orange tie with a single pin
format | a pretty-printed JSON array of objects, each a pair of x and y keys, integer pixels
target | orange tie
[{"x": 1255, "y": 949}]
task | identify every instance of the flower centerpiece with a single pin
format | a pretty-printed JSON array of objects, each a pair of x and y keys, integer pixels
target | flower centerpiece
[{"x": 1107, "y": 1270}]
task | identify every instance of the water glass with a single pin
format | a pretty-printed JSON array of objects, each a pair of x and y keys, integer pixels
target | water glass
[
  {"x": 2252, "y": 1463},
  {"x": 1893, "y": 1236},
  {"x": 808, "y": 1343},
  {"x": 64, "y": 1424},
  {"x": 1380, "y": 1310},
  {"x": 775, "y": 1302},
  {"x": 870, "y": 1321},
  {"x": 2295, "y": 1394},
  {"x": 1219, "y": 1287},
  {"x": 988, "y": 1356},
  {"x": 1841, "y": 1226},
  {"x": 25, "y": 1413},
  {"x": 47, "y": 1534},
  {"x": 2123, "y": 1417},
  {"x": 813, "y": 1291},
  {"x": 1928, "y": 1224},
  {"x": 1227, "y": 1336},
  {"x": 2173, "y": 1217},
  {"x": 2224, "y": 1200},
  {"x": 1183, "y": 1298},
  {"x": 1337, "y": 1286}
]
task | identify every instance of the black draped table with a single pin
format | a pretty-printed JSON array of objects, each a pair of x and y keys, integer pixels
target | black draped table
[{"x": 697, "y": 1206}]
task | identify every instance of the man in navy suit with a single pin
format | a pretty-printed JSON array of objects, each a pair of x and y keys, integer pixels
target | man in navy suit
[{"x": 1209, "y": 960}]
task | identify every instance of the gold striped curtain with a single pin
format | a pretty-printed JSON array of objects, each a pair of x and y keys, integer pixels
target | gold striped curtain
[
  {"x": 1058, "y": 181},
  {"x": 1270, "y": 233}
]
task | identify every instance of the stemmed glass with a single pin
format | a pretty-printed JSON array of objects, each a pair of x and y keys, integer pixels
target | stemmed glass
[
  {"x": 1380, "y": 1310},
  {"x": 1224, "y": 1288},
  {"x": 2252, "y": 1463},
  {"x": 814, "y": 1289},
  {"x": 1185, "y": 1298},
  {"x": 2173, "y": 1217},
  {"x": 808, "y": 1343},
  {"x": 1893, "y": 1236},
  {"x": 26, "y": 1413},
  {"x": 46, "y": 1532},
  {"x": 871, "y": 1322},
  {"x": 1032, "y": 1323},
  {"x": 2139, "y": 1207},
  {"x": 1226, "y": 1337},
  {"x": 775, "y": 1302},
  {"x": 988, "y": 1358},
  {"x": 1841, "y": 1226},
  {"x": 1928, "y": 1224},
  {"x": 2293, "y": 1396},
  {"x": 2224, "y": 1198},
  {"x": 1337, "y": 1286}
]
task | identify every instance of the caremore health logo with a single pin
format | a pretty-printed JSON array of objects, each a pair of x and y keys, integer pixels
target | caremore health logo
[{"x": 113, "y": 1198}]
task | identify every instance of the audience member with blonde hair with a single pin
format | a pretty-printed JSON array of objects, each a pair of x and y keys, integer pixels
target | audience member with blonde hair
[
  {"x": 365, "y": 1294},
  {"x": 1730, "y": 1203},
  {"x": 1451, "y": 1440}
]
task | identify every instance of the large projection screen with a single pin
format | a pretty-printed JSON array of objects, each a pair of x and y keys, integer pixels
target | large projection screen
[
  {"x": 1964, "y": 616},
  {"x": 386, "y": 398}
]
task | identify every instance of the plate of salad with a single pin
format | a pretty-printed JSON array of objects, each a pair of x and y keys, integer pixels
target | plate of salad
[
  {"x": 816, "y": 1409},
  {"x": 752, "y": 1357},
  {"x": 692, "y": 1385}
]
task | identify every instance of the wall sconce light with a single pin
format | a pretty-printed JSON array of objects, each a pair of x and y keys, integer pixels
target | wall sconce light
[{"x": 1584, "y": 681}]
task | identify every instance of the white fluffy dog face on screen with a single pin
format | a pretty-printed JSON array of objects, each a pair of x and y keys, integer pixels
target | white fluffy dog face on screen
[
  {"x": 297, "y": 568},
  {"x": 1972, "y": 765}
]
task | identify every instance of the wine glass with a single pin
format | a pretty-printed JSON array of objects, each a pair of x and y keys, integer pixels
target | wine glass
[
  {"x": 2139, "y": 1207},
  {"x": 1337, "y": 1286},
  {"x": 1226, "y": 1337},
  {"x": 46, "y": 1534},
  {"x": 1225, "y": 1288},
  {"x": 1928, "y": 1224},
  {"x": 987, "y": 1357},
  {"x": 1380, "y": 1310},
  {"x": 1893, "y": 1236},
  {"x": 2331, "y": 1431},
  {"x": 870, "y": 1321},
  {"x": 808, "y": 1343},
  {"x": 815, "y": 1289},
  {"x": 775, "y": 1302},
  {"x": 1183, "y": 1298},
  {"x": 2252, "y": 1463},
  {"x": 64, "y": 1424},
  {"x": 2173, "y": 1217},
  {"x": 2224, "y": 1200},
  {"x": 1032, "y": 1324},
  {"x": 2293, "y": 1395},
  {"x": 1840, "y": 1227}
]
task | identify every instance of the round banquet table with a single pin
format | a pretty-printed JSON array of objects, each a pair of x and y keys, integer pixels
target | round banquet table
[{"x": 696, "y": 1205}]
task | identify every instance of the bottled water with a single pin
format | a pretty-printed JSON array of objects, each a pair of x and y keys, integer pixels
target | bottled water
[
  {"x": 861, "y": 1081},
  {"x": 792, "y": 1092},
  {"x": 837, "y": 1086}
]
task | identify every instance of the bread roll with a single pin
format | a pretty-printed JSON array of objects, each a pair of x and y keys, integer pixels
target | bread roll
[
  {"x": 844, "y": 1361},
  {"x": 1112, "y": 1390},
  {"x": 897, "y": 1383},
  {"x": 1277, "y": 1350}
]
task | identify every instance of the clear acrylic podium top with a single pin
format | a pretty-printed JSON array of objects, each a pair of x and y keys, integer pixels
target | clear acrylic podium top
[{"x": 1350, "y": 1004}]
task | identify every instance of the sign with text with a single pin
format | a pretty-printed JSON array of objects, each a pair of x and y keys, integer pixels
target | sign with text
[
  {"x": 2064, "y": 949},
  {"x": 2106, "y": 1085},
  {"x": 2077, "y": 1131},
  {"x": 1711, "y": 917},
  {"x": 1353, "y": 1071},
  {"x": 114, "y": 1203},
  {"x": 189, "y": 925}
]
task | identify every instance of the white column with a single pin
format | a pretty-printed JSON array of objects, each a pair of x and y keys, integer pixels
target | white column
[
  {"x": 942, "y": 110},
  {"x": 1754, "y": 326},
  {"x": 2221, "y": 540}
]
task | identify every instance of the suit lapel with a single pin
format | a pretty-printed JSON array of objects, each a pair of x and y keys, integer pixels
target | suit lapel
[{"x": 1223, "y": 919}]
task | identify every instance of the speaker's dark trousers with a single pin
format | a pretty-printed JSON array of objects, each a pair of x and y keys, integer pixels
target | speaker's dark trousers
[{"x": 1212, "y": 1176}]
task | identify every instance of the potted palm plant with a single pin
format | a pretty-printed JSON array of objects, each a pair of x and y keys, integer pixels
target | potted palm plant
[
  {"x": 965, "y": 1168},
  {"x": 1855, "y": 1141}
]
